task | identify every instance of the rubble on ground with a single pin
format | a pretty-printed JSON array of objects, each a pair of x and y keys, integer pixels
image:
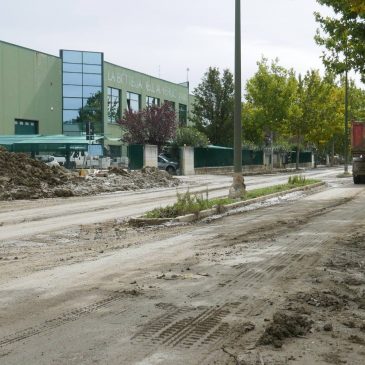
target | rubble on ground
[{"x": 22, "y": 177}]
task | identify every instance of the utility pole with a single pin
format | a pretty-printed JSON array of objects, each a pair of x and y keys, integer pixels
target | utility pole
[
  {"x": 346, "y": 169},
  {"x": 238, "y": 186}
]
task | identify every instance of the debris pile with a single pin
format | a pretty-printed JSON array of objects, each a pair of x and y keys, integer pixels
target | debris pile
[{"x": 22, "y": 177}]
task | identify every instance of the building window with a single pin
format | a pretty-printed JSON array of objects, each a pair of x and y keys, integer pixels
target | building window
[
  {"x": 82, "y": 91},
  {"x": 133, "y": 102},
  {"x": 24, "y": 126},
  {"x": 113, "y": 105},
  {"x": 183, "y": 114},
  {"x": 151, "y": 101},
  {"x": 171, "y": 104}
]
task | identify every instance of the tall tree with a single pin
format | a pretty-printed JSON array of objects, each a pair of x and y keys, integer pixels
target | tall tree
[
  {"x": 269, "y": 96},
  {"x": 323, "y": 109},
  {"x": 214, "y": 105}
]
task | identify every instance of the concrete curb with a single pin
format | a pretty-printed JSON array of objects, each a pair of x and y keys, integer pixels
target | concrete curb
[{"x": 140, "y": 221}]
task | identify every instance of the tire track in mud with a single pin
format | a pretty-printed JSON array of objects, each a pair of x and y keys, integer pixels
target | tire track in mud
[
  {"x": 180, "y": 328},
  {"x": 208, "y": 328},
  {"x": 185, "y": 328},
  {"x": 64, "y": 318}
]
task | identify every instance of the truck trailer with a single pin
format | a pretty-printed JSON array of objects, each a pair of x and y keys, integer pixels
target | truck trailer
[{"x": 358, "y": 151}]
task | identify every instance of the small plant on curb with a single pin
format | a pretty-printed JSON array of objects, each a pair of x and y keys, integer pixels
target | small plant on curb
[{"x": 297, "y": 180}]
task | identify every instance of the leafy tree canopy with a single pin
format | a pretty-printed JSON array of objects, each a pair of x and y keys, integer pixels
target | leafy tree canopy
[
  {"x": 153, "y": 125},
  {"x": 343, "y": 35},
  {"x": 190, "y": 136},
  {"x": 269, "y": 95},
  {"x": 214, "y": 106}
]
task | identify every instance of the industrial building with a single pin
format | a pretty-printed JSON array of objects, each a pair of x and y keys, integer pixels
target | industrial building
[{"x": 59, "y": 96}]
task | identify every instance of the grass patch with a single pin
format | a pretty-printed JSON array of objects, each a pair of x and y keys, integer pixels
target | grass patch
[
  {"x": 278, "y": 188},
  {"x": 188, "y": 203}
]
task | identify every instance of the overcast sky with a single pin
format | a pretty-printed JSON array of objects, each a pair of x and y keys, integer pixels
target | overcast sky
[{"x": 165, "y": 37}]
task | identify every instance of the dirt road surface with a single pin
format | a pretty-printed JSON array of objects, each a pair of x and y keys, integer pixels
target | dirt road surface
[{"x": 280, "y": 284}]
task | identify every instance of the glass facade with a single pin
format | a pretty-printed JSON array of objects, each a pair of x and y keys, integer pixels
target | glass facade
[
  {"x": 82, "y": 91},
  {"x": 183, "y": 114},
  {"x": 133, "y": 102},
  {"x": 113, "y": 104},
  {"x": 151, "y": 101}
]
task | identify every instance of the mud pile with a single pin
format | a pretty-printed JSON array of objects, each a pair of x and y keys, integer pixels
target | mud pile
[
  {"x": 284, "y": 326},
  {"x": 22, "y": 177}
]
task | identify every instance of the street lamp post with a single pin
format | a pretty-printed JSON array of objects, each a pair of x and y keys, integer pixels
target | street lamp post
[
  {"x": 238, "y": 186},
  {"x": 346, "y": 167}
]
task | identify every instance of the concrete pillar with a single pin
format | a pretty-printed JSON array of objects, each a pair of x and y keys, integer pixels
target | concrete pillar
[
  {"x": 150, "y": 155},
  {"x": 187, "y": 161}
]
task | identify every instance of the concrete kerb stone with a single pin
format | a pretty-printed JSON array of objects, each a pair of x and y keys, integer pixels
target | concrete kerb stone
[{"x": 141, "y": 221}]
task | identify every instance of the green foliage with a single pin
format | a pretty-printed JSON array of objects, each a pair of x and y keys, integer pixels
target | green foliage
[
  {"x": 269, "y": 97},
  {"x": 214, "y": 106},
  {"x": 301, "y": 111},
  {"x": 343, "y": 36},
  {"x": 190, "y": 136},
  {"x": 296, "y": 180},
  {"x": 251, "y": 194},
  {"x": 187, "y": 203}
]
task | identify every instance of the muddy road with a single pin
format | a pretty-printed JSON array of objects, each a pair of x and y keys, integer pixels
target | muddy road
[
  {"x": 280, "y": 284},
  {"x": 22, "y": 218}
]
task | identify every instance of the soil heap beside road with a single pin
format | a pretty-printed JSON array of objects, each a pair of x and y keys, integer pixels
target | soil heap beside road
[{"x": 22, "y": 177}]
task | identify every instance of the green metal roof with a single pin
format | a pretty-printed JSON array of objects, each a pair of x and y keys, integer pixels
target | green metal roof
[
  {"x": 11, "y": 139},
  {"x": 36, "y": 143},
  {"x": 40, "y": 139}
]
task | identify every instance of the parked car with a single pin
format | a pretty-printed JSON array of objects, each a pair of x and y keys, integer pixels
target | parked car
[
  {"x": 50, "y": 159},
  {"x": 168, "y": 165}
]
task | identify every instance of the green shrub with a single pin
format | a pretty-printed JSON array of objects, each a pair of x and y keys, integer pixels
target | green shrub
[
  {"x": 297, "y": 180},
  {"x": 190, "y": 136}
]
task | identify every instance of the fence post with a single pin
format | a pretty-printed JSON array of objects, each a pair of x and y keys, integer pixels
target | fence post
[{"x": 187, "y": 161}]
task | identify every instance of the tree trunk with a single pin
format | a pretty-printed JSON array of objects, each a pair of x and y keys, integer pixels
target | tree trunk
[
  {"x": 272, "y": 149},
  {"x": 297, "y": 155}
]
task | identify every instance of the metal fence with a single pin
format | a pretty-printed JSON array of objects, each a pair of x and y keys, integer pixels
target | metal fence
[
  {"x": 135, "y": 155},
  {"x": 223, "y": 156}
]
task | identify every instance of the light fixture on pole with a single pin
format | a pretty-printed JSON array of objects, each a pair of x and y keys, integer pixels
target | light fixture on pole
[{"x": 238, "y": 187}]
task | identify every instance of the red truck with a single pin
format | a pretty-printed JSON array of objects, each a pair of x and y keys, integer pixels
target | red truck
[{"x": 358, "y": 151}]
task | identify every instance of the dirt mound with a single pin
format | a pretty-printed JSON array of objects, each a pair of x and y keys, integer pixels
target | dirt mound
[
  {"x": 285, "y": 326},
  {"x": 22, "y": 177}
]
